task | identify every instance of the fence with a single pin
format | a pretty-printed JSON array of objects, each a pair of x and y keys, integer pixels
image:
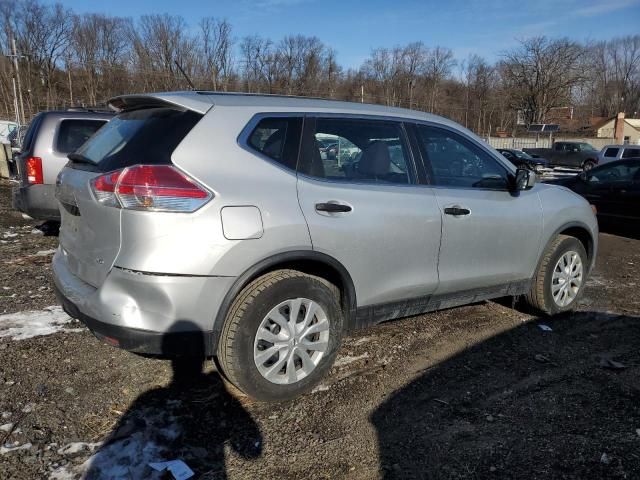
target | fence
[{"x": 530, "y": 142}]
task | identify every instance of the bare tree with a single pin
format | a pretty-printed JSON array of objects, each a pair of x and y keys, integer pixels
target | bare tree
[
  {"x": 217, "y": 43},
  {"x": 541, "y": 74}
]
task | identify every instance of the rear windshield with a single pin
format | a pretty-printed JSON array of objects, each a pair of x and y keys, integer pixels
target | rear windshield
[
  {"x": 73, "y": 133},
  {"x": 147, "y": 136}
]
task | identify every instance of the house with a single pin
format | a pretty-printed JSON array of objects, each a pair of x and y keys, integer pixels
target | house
[{"x": 627, "y": 131}]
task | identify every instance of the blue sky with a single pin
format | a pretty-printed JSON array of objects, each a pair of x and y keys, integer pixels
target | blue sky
[{"x": 353, "y": 28}]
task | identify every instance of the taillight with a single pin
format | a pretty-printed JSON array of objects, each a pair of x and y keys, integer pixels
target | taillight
[
  {"x": 34, "y": 170},
  {"x": 150, "y": 188}
]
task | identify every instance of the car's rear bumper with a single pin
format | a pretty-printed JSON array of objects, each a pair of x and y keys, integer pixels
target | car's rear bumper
[
  {"x": 145, "y": 313},
  {"x": 37, "y": 201}
]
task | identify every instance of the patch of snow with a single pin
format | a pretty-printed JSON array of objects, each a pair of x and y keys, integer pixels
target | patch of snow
[
  {"x": 6, "y": 427},
  {"x": 29, "y": 324},
  {"x": 44, "y": 253},
  {"x": 9, "y": 235},
  {"x": 127, "y": 457},
  {"x": 320, "y": 388},
  {"x": 12, "y": 447},
  {"x": 346, "y": 360},
  {"x": 77, "y": 447}
]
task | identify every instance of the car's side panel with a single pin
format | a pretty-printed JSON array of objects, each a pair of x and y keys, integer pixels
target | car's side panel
[
  {"x": 389, "y": 242},
  {"x": 195, "y": 243}
]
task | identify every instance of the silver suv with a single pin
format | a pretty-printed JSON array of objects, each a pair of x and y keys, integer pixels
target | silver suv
[
  {"x": 51, "y": 136},
  {"x": 212, "y": 223}
]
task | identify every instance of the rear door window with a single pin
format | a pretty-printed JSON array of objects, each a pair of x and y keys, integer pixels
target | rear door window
[
  {"x": 146, "y": 136},
  {"x": 73, "y": 133},
  {"x": 357, "y": 150}
]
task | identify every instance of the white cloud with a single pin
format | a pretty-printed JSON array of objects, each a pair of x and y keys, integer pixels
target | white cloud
[{"x": 606, "y": 6}]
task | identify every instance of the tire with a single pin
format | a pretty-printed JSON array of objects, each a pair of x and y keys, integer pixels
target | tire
[
  {"x": 588, "y": 165},
  {"x": 540, "y": 296},
  {"x": 239, "y": 344}
]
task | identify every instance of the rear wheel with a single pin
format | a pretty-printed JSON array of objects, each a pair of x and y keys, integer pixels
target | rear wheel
[
  {"x": 560, "y": 278},
  {"x": 281, "y": 335}
]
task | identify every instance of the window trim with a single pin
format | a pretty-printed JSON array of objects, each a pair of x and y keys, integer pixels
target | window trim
[
  {"x": 426, "y": 163},
  {"x": 309, "y": 129},
  {"x": 56, "y": 135},
  {"x": 245, "y": 134}
]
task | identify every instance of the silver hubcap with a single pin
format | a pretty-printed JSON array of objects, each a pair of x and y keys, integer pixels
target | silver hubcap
[
  {"x": 291, "y": 340},
  {"x": 567, "y": 279}
]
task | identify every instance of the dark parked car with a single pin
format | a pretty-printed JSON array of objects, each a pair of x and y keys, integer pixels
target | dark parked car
[
  {"x": 568, "y": 154},
  {"x": 614, "y": 189},
  {"x": 523, "y": 159}
]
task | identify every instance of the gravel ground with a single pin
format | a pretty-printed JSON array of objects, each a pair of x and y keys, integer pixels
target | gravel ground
[{"x": 473, "y": 392}]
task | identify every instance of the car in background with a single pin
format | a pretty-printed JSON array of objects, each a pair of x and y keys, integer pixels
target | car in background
[
  {"x": 210, "y": 224},
  {"x": 523, "y": 159},
  {"x": 613, "y": 188},
  {"x": 51, "y": 136},
  {"x": 567, "y": 154},
  {"x": 610, "y": 153}
]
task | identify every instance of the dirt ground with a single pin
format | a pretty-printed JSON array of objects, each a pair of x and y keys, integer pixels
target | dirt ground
[{"x": 473, "y": 392}]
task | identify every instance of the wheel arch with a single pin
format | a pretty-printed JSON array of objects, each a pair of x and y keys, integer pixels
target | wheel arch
[
  {"x": 306, "y": 261},
  {"x": 580, "y": 231}
]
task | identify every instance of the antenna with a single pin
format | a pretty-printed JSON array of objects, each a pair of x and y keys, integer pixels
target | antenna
[{"x": 185, "y": 75}]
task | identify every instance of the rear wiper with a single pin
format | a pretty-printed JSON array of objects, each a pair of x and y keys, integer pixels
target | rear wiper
[{"x": 79, "y": 158}]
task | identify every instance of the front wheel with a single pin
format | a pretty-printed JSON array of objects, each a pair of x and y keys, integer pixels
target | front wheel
[
  {"x": 588, "y": 165},
  {"x": 281, "y": 335},
  {"x": 560, "y": 278}
]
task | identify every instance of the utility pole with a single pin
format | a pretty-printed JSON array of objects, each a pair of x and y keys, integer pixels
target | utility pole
[
  {"x": 412, "y": 83},
  {"x": 15, "y": 101},
  {"x": 70, "y": 84},
  {"x": 362, "y": 93},
  {"x": 17, "y": 70}
]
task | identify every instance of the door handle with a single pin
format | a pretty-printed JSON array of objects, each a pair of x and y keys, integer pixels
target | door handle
[
  {"x": 330, "y": 207},
  {"x": 456, "y": 211}
]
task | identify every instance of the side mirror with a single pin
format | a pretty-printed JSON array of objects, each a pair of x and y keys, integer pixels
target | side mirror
[{"x": 525, "y": 179}]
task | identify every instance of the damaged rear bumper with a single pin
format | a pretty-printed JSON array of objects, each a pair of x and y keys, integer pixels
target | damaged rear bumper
[{"x": 145, "y": 313}]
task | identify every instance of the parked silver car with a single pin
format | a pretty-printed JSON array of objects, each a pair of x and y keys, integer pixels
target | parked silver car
[
  {"x": 611, "y": 153},
  {"x": 50, "y": 137},
  {"x": 210, "y": 223}
]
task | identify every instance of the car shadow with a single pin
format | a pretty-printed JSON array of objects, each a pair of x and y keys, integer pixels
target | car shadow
[
  {"x": 193, "y": 419},
  {"x": 527, "y": 403},
  {"x": 621, "y": 229}
]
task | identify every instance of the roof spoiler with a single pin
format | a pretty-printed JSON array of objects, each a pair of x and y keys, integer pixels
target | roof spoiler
[{"x": 182, "y": 102}]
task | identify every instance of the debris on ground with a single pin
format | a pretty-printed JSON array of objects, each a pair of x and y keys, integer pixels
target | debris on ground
[
  {"x": 610, "y": 364},
  {"x": 178, "y": 469}
]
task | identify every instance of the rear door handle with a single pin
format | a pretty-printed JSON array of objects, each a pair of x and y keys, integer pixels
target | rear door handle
[
  {"x": 456, "y": 211},
  {"x": 330, "y": 207}
]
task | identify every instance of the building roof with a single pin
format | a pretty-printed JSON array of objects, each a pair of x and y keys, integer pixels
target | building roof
[{"x": 634, "y": 122}]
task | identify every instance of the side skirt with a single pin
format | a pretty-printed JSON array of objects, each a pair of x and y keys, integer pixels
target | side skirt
[{"x": 373, "y": 314}]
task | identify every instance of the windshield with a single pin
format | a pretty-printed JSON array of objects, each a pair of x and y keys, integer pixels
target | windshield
[
  {"x": 586, "y": 146},
  {"x": 147, "y": 136}
]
